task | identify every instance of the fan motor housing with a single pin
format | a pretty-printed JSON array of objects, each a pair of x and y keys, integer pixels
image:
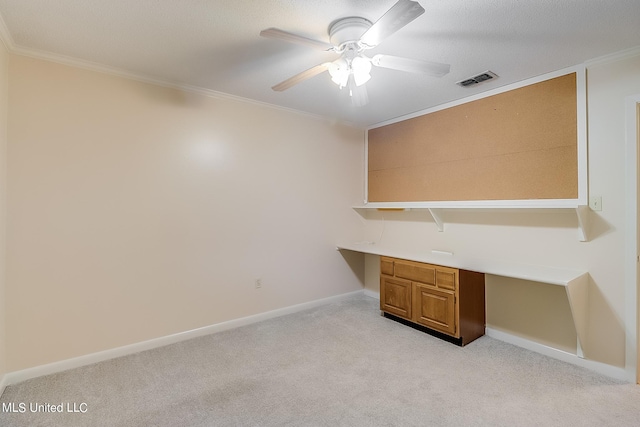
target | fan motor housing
[{"x": 348, "y": 30}]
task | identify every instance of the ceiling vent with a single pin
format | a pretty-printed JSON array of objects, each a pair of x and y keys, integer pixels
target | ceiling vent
[{"x": 482, "y": 77}]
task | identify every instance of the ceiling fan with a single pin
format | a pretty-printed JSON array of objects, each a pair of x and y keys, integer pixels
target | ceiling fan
[{"x": 350, "y": 38}]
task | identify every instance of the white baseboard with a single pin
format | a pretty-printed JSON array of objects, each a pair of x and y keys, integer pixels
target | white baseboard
[
  {"x": 599, "y": 367},
  {"x": 89, "y": 359},
  {"x": 76, "y": 362}
]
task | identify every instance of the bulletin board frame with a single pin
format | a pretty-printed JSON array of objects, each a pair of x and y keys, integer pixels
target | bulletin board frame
[{"x": 578, "y": 157}]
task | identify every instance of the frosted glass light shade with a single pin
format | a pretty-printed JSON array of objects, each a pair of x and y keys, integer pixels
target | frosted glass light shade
[
  {"x": 339, "y": 71},
  {"x": 361, "y": 68}
]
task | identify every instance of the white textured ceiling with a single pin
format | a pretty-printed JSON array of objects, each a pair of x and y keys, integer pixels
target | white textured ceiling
[{"x": 215, "y": 44}]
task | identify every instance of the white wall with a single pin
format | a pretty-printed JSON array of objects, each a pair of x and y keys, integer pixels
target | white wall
[
  {"x": 537, "y": 311},
  {"x": 137, "y": 211}
]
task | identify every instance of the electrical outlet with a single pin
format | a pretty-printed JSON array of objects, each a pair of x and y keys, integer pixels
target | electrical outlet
[
  {"x": 258, "y": 283},
  {"x": 595, "y": 203}
]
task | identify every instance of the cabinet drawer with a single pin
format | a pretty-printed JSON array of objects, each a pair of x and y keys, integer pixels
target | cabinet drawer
[
  {"x": 446, "y": 278},
  {"x": 423, "y": 273},
  {"x": 386, "y": 266}
]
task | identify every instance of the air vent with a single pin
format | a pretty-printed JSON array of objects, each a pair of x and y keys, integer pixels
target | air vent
[{"x": 482, "y": 77}]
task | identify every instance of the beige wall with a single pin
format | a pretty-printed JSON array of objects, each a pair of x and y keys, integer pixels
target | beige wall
[
  {"x": 609, "y": 83},
  {"x": 538, "y": 311},
  {"x": 137, "y": 211},
  {"x": 4, "y": 57}
]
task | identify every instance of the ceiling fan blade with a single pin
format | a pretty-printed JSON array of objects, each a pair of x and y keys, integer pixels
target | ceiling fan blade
[
  {"x": 300, "y": 77},
  {"x": 434, "y": 69},
  {"x": 274, "y": 33},
  {"x": 397, "y": 17}
]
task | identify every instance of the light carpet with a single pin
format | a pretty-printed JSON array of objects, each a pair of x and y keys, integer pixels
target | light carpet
[{"x": 337, "y": 365}]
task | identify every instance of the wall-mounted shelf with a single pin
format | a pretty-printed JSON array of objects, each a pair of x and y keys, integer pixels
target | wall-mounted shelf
[
  {"x": 435, "y": 209},
  {"x": 575, "y": 282}
]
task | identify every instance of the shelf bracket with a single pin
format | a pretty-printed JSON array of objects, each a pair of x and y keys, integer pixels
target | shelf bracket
[
  {"x": 578, "y": 296},
  {"x": 435, "y": 213},
  {"x": 582, "y": 211}
]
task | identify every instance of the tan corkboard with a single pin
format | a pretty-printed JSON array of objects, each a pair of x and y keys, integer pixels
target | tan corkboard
[{"x": 516, "y": 145}]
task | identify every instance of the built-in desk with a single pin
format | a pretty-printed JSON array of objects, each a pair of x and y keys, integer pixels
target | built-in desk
[{"x": 575, "y": 282}]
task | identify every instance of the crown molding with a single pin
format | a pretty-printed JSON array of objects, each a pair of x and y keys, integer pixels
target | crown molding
[
  {"x": 614, "y": 57},
  {"x": 9, "y": 43},
  {"x": 119, "y": 72},
  {"x": 5, "y": 36}
]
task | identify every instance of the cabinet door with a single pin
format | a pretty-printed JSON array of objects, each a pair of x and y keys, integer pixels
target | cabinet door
[
  {"x": 395, "y": 296},
  {"x": 435, "y": 309}
]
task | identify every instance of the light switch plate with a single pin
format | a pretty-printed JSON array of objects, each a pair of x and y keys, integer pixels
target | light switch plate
[{"x": 595, "y": 203}]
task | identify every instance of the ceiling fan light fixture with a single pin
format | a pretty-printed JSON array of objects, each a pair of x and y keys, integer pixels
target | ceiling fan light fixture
[
  {"x": 358, "y": 68},
  {"x": 350, "y": 38},
  {"x": 339, "y": 71},
  {"x": 361, "y": 67}
]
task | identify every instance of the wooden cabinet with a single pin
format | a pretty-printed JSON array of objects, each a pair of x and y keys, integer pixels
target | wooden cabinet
[{"x": 447, "y": 300}]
